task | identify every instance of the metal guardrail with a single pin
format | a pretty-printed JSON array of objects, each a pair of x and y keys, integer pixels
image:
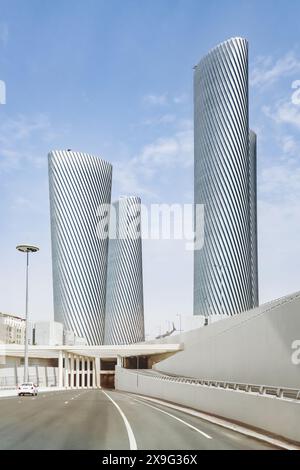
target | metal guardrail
[{"x": 277, "y": 392}]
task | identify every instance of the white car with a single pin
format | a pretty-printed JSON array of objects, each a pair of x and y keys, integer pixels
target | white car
[{"x": 28, "y": 388}]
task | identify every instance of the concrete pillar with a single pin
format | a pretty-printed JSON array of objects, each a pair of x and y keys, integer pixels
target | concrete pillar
[
  {"x": 67, "y": 367},
  {"x": 119, "y": 361},
  {"x": 88, "y": 372},
  {"x": 72, "y": 371},
  {"x": 94, "y": 374},
  {"x": 97, "y": 371},
  {"x": 82, "y": 372},
  {"x": 60, "y": 369},
  {"x": 77, "y": 371},
  {"x": 85, "y": 372}
]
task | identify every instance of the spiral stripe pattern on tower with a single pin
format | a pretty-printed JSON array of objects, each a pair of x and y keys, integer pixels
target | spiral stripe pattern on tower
[
  {"x": 124, "y": 323},
  {"x": 222, "y": 269},
  {"x": 79, "y": 184}
]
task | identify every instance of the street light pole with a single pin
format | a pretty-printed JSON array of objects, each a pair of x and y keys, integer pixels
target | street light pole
[
  {"x": 26, "y": 249},
  {"x": 26, "y": 323}
]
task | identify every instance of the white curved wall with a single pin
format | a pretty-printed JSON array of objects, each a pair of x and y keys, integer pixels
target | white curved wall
[{"x": 255, "y": 347}]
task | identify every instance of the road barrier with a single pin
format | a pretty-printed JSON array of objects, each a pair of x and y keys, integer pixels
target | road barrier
[{"x": 279, "y": 392}]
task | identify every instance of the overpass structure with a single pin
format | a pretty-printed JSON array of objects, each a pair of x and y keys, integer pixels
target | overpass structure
[{"x": 81, "y": 366}]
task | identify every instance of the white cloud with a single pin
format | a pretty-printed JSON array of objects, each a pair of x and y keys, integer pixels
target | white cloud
[
  {"x": 267, "y": 71},
  {"x": 164, "y": 99},
  {"x": 156, "y": 100},
  {"x": 127, "y": 176},
  {"x": 289, "y": 145},
  {"x": 284, "y": 112},
  {"x": 139, "y": 174},
  {"x": 179, "y": 99},
  {"x": 23, "y": 203},
  {"x": 164, "y": 119},
  {"x": 279, "y": 228},
  {"x": 281, "y": 181},
  {"x": 169, "y": 151},
  {"x": 279, "y": 248}
]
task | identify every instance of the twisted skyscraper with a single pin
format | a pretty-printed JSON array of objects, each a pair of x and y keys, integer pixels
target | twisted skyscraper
[
  {"x": 124, "y": 322},
  {"x": 80, "y": 192},
  {"x": 225, "y": 270}
]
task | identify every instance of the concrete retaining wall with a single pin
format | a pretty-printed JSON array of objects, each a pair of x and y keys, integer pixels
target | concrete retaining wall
[
  {"x": 273, "y": 415},
  {"x": 10, "y": 377},
  {"x": 255, "y": 347}
]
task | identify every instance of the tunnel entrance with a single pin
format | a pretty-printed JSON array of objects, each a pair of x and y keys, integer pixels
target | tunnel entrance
[
  {"x": 107, "y": 381},
  {"x": 107, "y": 374}
]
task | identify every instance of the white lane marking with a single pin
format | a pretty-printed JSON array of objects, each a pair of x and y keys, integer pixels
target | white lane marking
[
  {"x": 177, "y": 419},
  {"x": 132, "y": 441},
  {"x": 66, "y": 402},
  {"x": 222, "y": 423}
]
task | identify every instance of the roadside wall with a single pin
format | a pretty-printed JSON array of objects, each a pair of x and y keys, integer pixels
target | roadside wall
[
  {"x": 270, "y": 414},
  {"x": 42, "y": 376},
  {"x": 254, "y": 347}
]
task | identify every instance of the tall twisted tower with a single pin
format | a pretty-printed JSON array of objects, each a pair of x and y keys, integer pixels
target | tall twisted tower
[
  {"x": 223, "y": 269},
  {"x": 80, "y": 192},
  {"x": 124, "y": 323}
]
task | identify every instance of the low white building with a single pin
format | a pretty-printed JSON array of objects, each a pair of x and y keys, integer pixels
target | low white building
[
  {"x": 48, "y": 333},
  {"x": 79, "y": 341},
  {"x": 12, "y": 329},
  {"x": 70, "y": 339}
]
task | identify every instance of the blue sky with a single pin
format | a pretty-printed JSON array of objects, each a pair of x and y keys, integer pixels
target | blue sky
[{"x": 115, "y": 78}]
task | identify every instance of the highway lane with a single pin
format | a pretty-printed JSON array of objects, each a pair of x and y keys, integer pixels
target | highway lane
[{"x": 95, "y": 420}]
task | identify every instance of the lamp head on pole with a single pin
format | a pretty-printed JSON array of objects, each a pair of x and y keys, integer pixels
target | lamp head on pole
[{"x": 27, "y": 248}]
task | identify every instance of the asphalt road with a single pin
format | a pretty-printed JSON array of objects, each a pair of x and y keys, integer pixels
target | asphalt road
[{"x": 94, "y": 419}]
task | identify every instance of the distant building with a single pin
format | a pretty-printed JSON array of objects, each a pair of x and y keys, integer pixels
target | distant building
[
  {"x": 48, "y": 333},
  {"x": 79, "y": 341},
  {"x": 43, "y": 333},
  {"x": 12, "y": 329},
  {"x": 124, "y": 321},
  {"x": 70, "y": 339}
]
